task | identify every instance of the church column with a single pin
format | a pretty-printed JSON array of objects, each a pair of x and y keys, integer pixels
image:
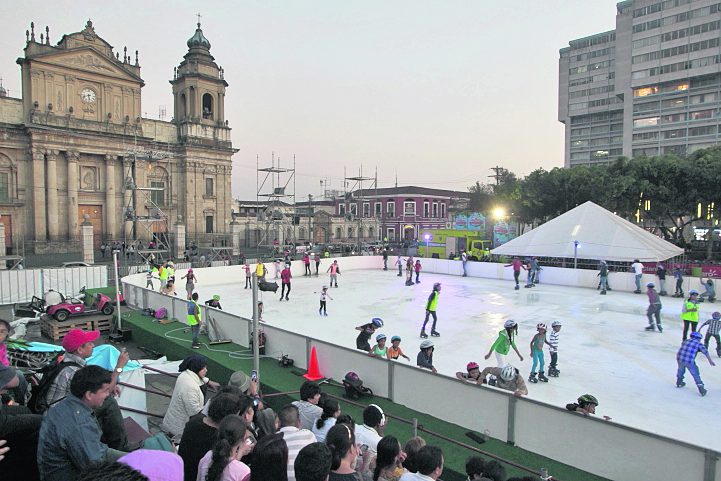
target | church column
[
  {"x": 127, "y": 196},
  {"x": 72, "y": 158},
  {"x": 39, "y": 217},
  {"x": 52, "y": 194},
  {"x": 111, "y": 212}
]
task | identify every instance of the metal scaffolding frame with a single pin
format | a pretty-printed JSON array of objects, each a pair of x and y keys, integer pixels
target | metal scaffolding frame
[
  {"x": 273, "y": 219},
  {"x": 358, "y": 187}
]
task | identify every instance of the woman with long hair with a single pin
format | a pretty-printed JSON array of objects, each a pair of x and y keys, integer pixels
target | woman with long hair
[
  {"x": 389, "y": 460},
  {"x": 331, "y": 410},
  {"x": 270, "y": 459},
  {"x": 341, "y": 442},
  {"x": 223, "y": 463}
]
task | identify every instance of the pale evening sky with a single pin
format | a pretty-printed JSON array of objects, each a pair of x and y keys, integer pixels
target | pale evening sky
[{"x": 433, "y": 92}]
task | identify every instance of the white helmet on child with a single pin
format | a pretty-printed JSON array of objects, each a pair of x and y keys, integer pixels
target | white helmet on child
[
  {"x": 426, "y": 344},
  {"x": 510, "y": 324},
  {"x": 508, "y": 373},
  {"x": 556, "y": 324}
]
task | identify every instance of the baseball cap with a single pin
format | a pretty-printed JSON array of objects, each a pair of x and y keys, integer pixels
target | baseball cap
[
  {"x": 240, "y": 380},
  {"x": 77, "y": 337},
  {"x": 6, "y": 375}
]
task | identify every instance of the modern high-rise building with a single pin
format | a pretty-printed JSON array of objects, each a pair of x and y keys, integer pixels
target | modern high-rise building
[{"x": 650, "y": 87}]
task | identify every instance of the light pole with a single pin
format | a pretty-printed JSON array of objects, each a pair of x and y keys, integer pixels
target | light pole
[
  {"x": 575, "y": 254},
  {"x": 427, "y": 238}
]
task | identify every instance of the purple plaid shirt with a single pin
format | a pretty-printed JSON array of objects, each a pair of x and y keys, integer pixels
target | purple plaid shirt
[{"x": 689, "y": 349}]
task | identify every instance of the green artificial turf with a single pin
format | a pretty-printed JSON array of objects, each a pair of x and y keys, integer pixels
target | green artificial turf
[{"x": 277, "y": 379}]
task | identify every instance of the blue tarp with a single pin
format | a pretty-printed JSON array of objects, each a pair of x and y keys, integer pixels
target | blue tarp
[{"x": 106, "y": 356}]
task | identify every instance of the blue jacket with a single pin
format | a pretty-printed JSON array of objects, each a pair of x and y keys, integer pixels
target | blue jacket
[{"x": 69, "y": 440}]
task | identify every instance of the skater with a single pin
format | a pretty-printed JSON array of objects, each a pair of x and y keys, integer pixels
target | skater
[
  {"x": 276, "y": 268},
  {"x": 316, "y": 259},
  {"x": 385, "y": 259},
  {"x": 168, "y": 288},
  {"x": 473, "y": 374},
  {"x": 194, "y": 320},
  {"x": 394, "y": 351},
  {"x": 714, "y": 325},
  {"x": 306, "y": 262},
  {"x": 529, "y": 278},
  {"x": 425, "y": 356},
  {"x": 260, "y": 311},
  {"x": 248, "y": 284},
  {"x": 637, "y": 269},
  {"x": 536, "y": 270},
  {"x": 334, "y": 270},
  {"x": 537, "y": 353},
  {"x": 418, "y": 270},
  {"x": 171, "y": 271},
  {"x": 366, "y": 331},
  {"x": 260, "y": 271},
  {"x": 689, "y": 313},
  {"x": 654, "y": 308},
  {"x": 190, "y": 281},
  {"x": 686, "y": 359},
  {"x": 603, "y": 275},
  {"x": 409, "y": 272},
  {"x": 507, "y": 377},
  {"x": 586, "y": 405},
  {"x": 506, "y": 340},
  {"x": 516, "y": 264},
  {"x": 661, "y": 274},
  {"x": 710, "y": 291},
  {"x": 678, "y": 275},
  {"x": 553, "y": 349},
  {"x": 379, "y": 350},
  {"x": 323, "y": 296},
  {"x": 285, "y": 282},
  {"x": 464, "y": 259},
  {"x": 431, "y": 311},
  {"x": 163, "y": 274},
  {"x": 214, "y": 302},
  {"x": 149, "y": 277},
  {"x": 399, "y": 264}
]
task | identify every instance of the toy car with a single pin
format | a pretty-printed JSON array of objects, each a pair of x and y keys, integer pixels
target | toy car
[{"x": 77, "y": 307}]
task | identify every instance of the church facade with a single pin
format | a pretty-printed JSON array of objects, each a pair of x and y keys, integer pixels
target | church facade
[{"x": 76, "y": 144}]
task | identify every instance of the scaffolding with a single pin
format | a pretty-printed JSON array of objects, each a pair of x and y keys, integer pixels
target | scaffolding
[
  {"x": 274, "y": 223},
  {"x": 359, "y": 200},
  {"x": 155, "y": 225}
]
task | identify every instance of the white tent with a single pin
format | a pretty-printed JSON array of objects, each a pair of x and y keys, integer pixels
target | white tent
[{"x": 600, "y": 234}]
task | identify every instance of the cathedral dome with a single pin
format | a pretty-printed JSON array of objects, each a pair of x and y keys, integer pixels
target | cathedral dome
[{"x": 198, "y": 40}]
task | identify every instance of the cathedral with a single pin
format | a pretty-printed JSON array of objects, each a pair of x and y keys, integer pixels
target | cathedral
[{"x": 75, "y": 147}]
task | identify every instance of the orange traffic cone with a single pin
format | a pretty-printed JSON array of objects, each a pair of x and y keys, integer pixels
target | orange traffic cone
[{"x": 313, "y": 371}]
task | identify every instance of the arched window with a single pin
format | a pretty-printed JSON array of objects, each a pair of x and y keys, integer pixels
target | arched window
[
  {"x": 301, "y": 233},
  {"x": 350, "y": 232},
  {"x": 338, "y": 233},
  {"x": 183, "y": 106},
  {"x": 370, "y": 232},
  {"x": 208, "y": 106}
]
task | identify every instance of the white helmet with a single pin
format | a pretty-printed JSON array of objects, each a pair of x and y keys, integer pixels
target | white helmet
[
  {"x": 426, "y": 344},
  {"x": 510, "y": 324},
  {"x": 556, "y": 323},
  {"x": 508, "y": 373}
]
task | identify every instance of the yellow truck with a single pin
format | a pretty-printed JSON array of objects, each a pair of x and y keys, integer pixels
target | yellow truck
[{"x": 442, "y": 243}]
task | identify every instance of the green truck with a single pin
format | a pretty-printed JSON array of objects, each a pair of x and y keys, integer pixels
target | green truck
[{"x": 442, "y": 243}]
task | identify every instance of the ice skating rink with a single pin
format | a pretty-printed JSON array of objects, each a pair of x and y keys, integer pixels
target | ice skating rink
[{"x": 603, "y": 348}]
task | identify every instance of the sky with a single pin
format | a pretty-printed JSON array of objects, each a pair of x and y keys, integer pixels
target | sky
[{"x": 424, "y": 93}]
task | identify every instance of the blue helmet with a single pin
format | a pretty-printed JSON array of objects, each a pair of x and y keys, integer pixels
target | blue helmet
[
  {"x": 396, "y": 338},
  {"x": 377, "y": 321},
  {"x": 696, "y": 335},
  {"x": 380, "y": 337}
]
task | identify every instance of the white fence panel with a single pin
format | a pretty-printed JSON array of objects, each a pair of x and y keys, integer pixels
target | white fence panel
[
  {"x": 619, "y": 453},
  {"x": 279, "y": 342},
  {"x": 20, "y": 285},
  {"x": 69, "y": 280},
  {"x": 231, "y": 326},
  {"x": 335, "y": 361}
]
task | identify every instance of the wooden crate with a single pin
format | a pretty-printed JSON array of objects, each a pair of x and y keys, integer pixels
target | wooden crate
[
  {"x": 56, "y": 330},
  {"x": 102, "y": 325}
]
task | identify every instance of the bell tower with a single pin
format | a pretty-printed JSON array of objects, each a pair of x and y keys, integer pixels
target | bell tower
[{"x": 199, "y": 96}]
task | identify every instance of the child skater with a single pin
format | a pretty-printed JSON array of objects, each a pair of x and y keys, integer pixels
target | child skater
[
  {"x": 418, "y": 271},
  {"x": 247, "y": 276},
  {"x": 276, "y": 266},
  {"x": 506, "y": 340},
  {"x": 366, "y": 331},
  {"x": 394, "y": 351},
  {"x": 323, "y": 296},
  {"x": 409, "y": 272},
  {"x": 425, "y": 356},
  {"x": 379, "y": 350},
  {"x": 553, "y": 350},
  {"x": 537, "y": 353},
  {"x": 714, "y": 325}
]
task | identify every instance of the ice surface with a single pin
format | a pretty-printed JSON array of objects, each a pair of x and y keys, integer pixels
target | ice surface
[{"x": 603, "y": 347}]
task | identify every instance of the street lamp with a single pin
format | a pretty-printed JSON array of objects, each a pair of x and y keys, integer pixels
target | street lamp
[
  {"x": 427, "y": 238},
  {"x": 498, "y": 213}
]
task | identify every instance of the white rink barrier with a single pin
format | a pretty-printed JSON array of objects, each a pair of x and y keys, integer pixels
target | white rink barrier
[
  {"x": 617, "y": 452},
  {"x": 22, "y": 285}
]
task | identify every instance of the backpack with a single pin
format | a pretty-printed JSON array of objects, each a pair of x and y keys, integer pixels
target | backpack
[
  {"x": 161, "y": 313},
  {"x": 148, "y": 312},
  {"x": 354, "y": 388},
  {"x": 43, "y": 379}
]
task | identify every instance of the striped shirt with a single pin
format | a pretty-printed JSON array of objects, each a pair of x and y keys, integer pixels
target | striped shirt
[
  {"x": 714, "y": 326},
  {"x": 296, "y": 439},
  {"x": 553, "y": 340}
]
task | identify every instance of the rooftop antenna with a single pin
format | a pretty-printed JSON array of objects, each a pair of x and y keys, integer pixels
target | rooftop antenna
[{"x": 161, "y": 112}]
